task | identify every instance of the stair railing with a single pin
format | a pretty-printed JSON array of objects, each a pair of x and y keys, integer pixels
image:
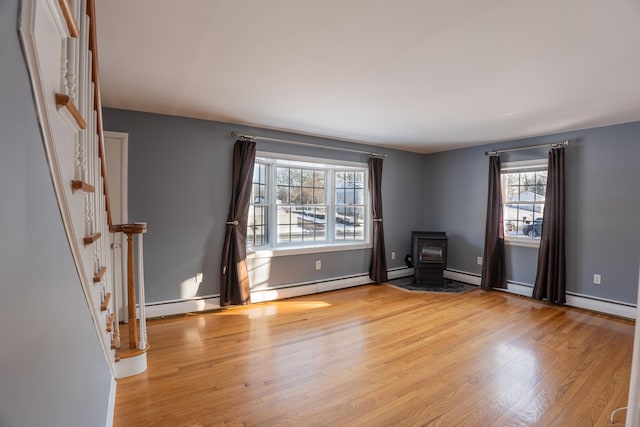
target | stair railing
[{"x": 137, "y": 331}]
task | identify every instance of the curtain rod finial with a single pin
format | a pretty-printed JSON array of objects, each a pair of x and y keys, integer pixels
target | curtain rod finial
[{"x": 235, "y": 134}]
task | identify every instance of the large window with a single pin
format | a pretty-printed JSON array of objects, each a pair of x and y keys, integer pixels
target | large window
[
  {"x": 524, "y": 185},
  {"x": 298, "y": 203}
]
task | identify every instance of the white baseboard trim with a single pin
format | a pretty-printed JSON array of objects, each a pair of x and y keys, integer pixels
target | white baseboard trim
[
  {"x": 323, "y": 286},
  {"x": 463, "y": 277},
  {"x": 396, "y": 273},
  {"x": 112, "y": 402},
  {"x": 601, "y": 305},
  {"x": 170, "y": 308}
]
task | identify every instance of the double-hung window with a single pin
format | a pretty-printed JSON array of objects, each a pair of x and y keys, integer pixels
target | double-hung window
[
  {"x": 524, "y": 185},
  {"x": 307, "y": 205}
]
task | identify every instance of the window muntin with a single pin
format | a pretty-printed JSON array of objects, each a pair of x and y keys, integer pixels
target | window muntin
[
  {"x": 524, "y": 186},
  {"x": 300, "y": 203}
]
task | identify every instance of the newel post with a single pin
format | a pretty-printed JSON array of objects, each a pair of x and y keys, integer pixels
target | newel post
[{"x": 130, "y": 230}]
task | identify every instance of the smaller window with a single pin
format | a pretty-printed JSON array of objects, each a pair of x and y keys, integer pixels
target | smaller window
[
  {"x": 257, "y": 230},
  {"x": 349, "y": 205},
  {"x": 524, "y": 185}
]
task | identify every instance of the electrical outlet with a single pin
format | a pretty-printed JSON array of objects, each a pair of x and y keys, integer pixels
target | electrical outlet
[
  {"x": 393, "y": 255},
  {"x": 596, "y": 279},
  {"x": 479, "y": 260},
  {"x": 318, "y": 265}
]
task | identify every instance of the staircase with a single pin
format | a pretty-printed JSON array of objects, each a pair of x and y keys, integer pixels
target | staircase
[{"x": 60, "y": 45}]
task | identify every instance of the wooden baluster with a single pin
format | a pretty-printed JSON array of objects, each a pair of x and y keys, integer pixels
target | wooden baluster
[{"x": 142, "y": 344}]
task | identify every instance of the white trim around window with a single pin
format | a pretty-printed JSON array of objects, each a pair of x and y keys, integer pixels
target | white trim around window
[
  {"x": 268, "y": 200},
  {"x": 511, "y": 238}
]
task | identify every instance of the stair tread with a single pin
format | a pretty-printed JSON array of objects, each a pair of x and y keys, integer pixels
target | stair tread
[
  {"x": 91, "y": 238},
  {"x": 64, "y": 101},
  {"x": 98, "y": 277},
  {"x": 77, "y": 185},
  {"x": 125, "y": 352},
  {"x": 105, "y": 303}
]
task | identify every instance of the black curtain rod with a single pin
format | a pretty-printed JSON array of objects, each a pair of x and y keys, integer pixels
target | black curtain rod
[
  {"x": 528, "y": 147},
  {"x": 308, "y": 144}
]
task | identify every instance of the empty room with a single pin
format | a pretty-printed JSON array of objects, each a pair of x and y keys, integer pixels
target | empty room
[{"x": 296, "y": 213}]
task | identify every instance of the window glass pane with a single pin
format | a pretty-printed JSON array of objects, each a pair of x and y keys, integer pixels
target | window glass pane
[
  {"x": 282, "y": 176},
  {"x": 526, "y": 211},
  {"x": 541, "y": 185},
  {"x": 306, "y": 196},
  {"x": 283, "y": 195},
  {"x": 318, "y": 196},
  {"x": 295, "y": 177},
  {"x": 256, "y": 193},
  {"x": 528, "y": 193},
  {"x": 512, "y": 179},
  {"x": 512, "y": 193},
  {"x": 295, "y": 196},
  {"x": 358, "y": 197},
  {"x": 307, "y": 178},
  {"x": 340, "y": 196},
  {"x": 527, "y": 178}
]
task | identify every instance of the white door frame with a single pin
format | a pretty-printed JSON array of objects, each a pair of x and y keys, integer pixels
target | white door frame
[{"x": 120, "y": 274}]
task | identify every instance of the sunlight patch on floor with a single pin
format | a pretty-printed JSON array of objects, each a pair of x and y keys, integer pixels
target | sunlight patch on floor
[{"x": 273, "y": 308}]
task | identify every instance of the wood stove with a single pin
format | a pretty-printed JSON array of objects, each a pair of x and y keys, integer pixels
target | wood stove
[{"x": 429, "y": 256}]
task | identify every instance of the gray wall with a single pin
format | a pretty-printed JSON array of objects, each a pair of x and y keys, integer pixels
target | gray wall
[
  {"x": 52, "y": 369},
  {"x": 179, "y": 183},
  {"x": 603, "y": 234}
]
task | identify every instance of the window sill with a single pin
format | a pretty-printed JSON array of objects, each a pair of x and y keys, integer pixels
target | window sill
[
  {"x": 302, "y": 250},
  {"x": 522, "y": 241}
]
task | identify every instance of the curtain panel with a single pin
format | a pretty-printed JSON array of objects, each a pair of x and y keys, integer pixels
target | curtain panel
[
  {"x": 234, "y": 275},
  {"x": 551, "y": 275},
  {"x": 378, "y": 268},
  {"x": 493, "y": 261}
]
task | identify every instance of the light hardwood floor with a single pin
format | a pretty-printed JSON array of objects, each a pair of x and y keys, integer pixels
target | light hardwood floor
[{"x": 379, "y": 356}]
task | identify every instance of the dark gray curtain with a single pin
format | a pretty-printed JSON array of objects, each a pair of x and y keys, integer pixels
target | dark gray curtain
[
  {"x": 378, "y": 268},
  {"x": 493, "y": 262},
  {"x": 234, "y": 277},
  {"x": 551, "y": 277}
]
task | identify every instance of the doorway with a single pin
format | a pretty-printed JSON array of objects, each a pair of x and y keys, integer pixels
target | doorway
[{"x": 116, "y": 145}]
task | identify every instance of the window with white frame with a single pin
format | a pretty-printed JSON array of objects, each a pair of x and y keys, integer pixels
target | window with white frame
[
  {"x": 524, "y": 185},
  {"x": 299, "y": 203}
]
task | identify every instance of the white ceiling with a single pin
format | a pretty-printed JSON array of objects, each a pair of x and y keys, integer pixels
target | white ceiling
[{"x": 419, "y": 75}]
